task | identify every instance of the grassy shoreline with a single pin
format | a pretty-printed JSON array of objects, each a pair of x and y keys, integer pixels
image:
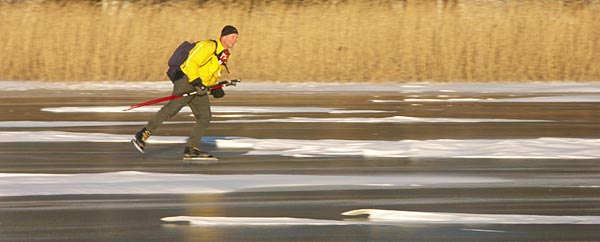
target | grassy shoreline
[{"x": 295, "y": 41}]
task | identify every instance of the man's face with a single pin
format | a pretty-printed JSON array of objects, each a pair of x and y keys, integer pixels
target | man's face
[{"x": 229, "y": 41}]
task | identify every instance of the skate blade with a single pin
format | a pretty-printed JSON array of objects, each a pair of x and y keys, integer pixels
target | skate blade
[
  {"x": 201, "y": 159},
  {"x": 137, "y": 147}
]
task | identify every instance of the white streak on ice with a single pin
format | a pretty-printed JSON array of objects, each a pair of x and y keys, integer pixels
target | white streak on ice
[
  {"x": 561, "y": 98},
  {"x": 540, "y": 148},
  {"x": 77, "y": 86},
  {"x": 234, "y": 115},
  {"x": 543, "y": 99},
  {"x": 392, "y": 217},
  {"x": 394, "y": 119},
  {"x": 379, "y": 215},
  {"x": 484, "y": 230},
  {"x": 60, "y": 136},
  {"x": 54, "y": 124},
  {"x": 132, "y": 182},
  {"x": 214, "y": 109},
  {"x": 252, "y": 221}
]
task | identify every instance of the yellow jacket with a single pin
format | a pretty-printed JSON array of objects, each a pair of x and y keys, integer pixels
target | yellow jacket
[{"x": 202, "y": 62}]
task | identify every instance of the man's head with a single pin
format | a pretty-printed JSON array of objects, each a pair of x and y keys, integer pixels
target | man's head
[{"x": 229, "y": 35}]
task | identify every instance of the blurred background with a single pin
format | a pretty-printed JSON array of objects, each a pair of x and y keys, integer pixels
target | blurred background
[{"x": 311, "y": 40}]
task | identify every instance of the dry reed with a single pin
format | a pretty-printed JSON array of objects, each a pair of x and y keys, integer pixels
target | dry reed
[{"x": 343, "y": 41}]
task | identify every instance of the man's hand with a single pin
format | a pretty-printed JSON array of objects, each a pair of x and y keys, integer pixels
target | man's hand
[
  {"x": 234, "y": 82},
  {"x": 227, "y": 83},
  {"x": 217, "y": 92},
  {"x": 201, "y": 90}
]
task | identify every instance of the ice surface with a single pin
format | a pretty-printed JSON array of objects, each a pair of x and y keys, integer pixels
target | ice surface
[{"x": 379, "y": 215}]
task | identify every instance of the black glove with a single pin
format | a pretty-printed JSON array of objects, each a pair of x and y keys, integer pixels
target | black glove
[
  {"x": 217, "y": 93},
  {"x": 200, "y": 88}
]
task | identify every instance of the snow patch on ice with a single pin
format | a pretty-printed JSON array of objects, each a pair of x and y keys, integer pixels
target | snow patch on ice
[
  {"x": 545, "y": 99},
  {"x": 54, "y": 124},
  {"x": 90, "y": 86},
  {"x": 60, "y": 136},
  {"x": 394, "y": 119},
  {"x": 214, "y": 109},
  {"x": 133, "y": 182},
  {"x": 252, "y": 221},
  {"x": 391, "y": 217},
  {"x": 540, "y": 148},
  {"x": 484, "y": 230},
  {"x": 235, "y": 115},
  {"x": 379, "y": 215},
  {"x": 561, "y": 98}
]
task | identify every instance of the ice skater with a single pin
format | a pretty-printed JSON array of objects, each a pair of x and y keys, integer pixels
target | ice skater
[{"x": 200, "y": 71}]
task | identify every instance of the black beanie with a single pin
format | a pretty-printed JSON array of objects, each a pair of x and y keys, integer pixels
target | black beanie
[{"x": 227, "y": 30}]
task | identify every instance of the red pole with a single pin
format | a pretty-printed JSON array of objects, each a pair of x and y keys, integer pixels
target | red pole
[{"x": 162, "y": 99}]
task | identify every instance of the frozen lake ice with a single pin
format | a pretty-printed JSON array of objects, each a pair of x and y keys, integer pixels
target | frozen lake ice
[{"x": 462, "y": 162}]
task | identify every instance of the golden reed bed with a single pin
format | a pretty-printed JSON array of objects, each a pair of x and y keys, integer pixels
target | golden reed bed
[{"x": 342, "y": 41}]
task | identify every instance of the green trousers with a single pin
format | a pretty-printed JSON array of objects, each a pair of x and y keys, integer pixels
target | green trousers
[{"x": 200, "y": 106}]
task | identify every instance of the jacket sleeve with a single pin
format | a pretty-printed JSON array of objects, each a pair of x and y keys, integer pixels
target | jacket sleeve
[{"x": 198, "y": 57}]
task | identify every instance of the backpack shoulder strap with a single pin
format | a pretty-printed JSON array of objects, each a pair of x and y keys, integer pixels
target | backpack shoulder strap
[
  {"x": 217, "y": 55},
  {"x": 216, "y": 47}
]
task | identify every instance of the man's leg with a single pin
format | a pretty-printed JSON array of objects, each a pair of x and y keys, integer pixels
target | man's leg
[
  {"x": 173, "y": 106},
  {"x": 200, "y": 106},
  {"x": 167, "y": 111}
]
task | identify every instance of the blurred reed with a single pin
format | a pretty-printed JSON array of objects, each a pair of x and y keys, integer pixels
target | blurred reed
[{"x": 320, "y": 41}]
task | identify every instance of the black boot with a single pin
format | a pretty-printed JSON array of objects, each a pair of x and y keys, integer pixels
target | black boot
[
  {"x": 139, "y": 140},
  {"x": 193, "y": 153}
]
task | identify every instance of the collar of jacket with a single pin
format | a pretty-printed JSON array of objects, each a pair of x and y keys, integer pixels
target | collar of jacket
[{"x": 220, "y": 46}]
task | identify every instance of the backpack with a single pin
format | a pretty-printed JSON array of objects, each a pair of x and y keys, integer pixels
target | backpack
[{"x": 178, "y": 57}]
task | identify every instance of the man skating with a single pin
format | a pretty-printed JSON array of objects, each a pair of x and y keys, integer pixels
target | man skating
[{"x": 201, "y": 69}]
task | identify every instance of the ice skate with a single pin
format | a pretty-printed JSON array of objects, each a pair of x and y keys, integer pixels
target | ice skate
[
  {"x": 139, "y": 140},
  {"x": 194, "y": 154}
]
